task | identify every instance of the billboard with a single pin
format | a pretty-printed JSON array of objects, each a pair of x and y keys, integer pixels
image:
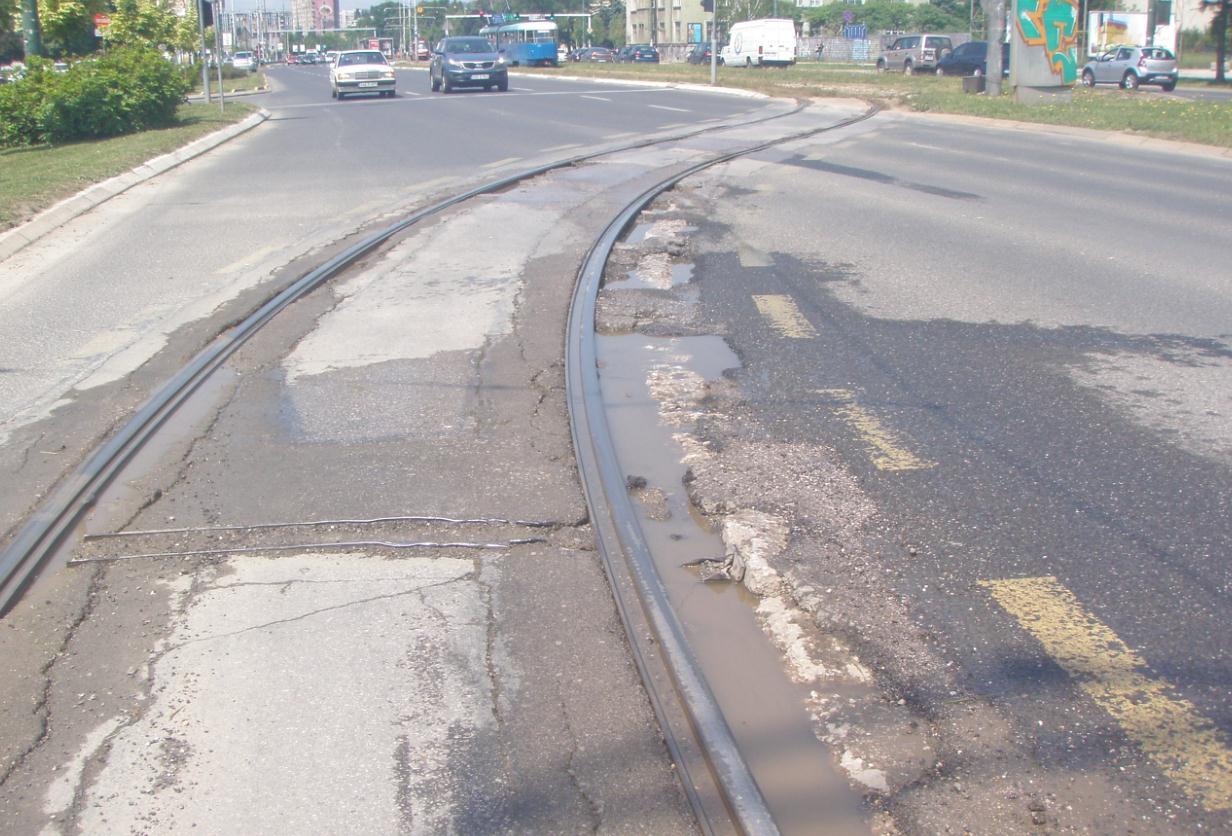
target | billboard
[{"x": 1105, "y": 29}]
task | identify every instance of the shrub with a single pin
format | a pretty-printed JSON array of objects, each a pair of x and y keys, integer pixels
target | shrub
[
  {"x": 22, "y": 105},
  {"x": 123, "y": 91}
]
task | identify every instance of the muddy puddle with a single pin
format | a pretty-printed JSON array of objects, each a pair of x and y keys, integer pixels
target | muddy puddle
[{"x": 765, "y": 709}]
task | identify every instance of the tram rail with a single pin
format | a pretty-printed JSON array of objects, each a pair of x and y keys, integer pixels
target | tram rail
[{"x": 722, "y": 792}]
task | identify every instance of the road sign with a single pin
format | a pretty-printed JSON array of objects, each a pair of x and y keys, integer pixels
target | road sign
[{"x": 102, "y": 21}]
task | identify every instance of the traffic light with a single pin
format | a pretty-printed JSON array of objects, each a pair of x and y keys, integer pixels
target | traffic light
[
  {"x": 206, "y": 10},
  {"x": 707, "y": 5}
]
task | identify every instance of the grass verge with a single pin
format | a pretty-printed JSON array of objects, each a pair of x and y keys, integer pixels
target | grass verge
[
  {"x": 31, "y": 179},
  {"x": 246, "y": 83},
  {"x": 1143, "y": 112}
]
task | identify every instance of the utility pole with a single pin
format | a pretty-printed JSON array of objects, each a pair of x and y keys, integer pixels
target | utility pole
[
  {"x": 205, "y": 58},
  {"x": 32, "y": 34},
  {"x": 222, "y": 102},
  {"x": 995, "y": 27}
]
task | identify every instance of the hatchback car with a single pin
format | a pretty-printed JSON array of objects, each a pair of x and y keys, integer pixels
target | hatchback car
[
  {"x": 244, "y": 61},
  {"x": 699, "y": 54},
  {"x": 971, "y": 58},
  {"x": 915, "y": 52},
  {"x": 638, "y": 53},
  {"x": 1133, "y": 66},
  {"x": 593, "y": 55},
  {"x": 361, "y": 71},
  {"x": 468, "y": 61}
]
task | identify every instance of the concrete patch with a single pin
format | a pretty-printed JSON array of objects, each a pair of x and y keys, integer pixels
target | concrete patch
[{"x": 350, "y": 678}]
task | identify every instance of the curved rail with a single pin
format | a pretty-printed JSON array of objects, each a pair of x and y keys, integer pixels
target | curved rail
[
  {"x": 721, "y": 790},
  {"x": 55, "y": 518},
  {"x": 628, "y": 560}
]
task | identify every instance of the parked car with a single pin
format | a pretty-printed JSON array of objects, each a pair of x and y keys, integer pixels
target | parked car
[
  {"x": 1131, "y": 67},
  {"x": 971, "y": 58},
  {"x": 915, "y": 52},
  {"x": 593, "y": 55},
  {"x": 244, "y": 61},
  {"x": 699, "y": 54},
  {"x": 768, "y": 42},
  {"x": 467, "y": 61},
  {"x": 638, "y": 54},
  {"x": 361, "y": 71}
]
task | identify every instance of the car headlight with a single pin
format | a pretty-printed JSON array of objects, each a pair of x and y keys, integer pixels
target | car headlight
[
  {"x": 387, "y": 74},
  {"x": 346, "y": 76},
  {"x": 500, "y": 59},
  {"x": 454, "y": 62}
]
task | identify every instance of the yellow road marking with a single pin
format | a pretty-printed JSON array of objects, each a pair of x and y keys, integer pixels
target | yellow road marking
[
  {"x": 1184, "y": 744},
  {"x": 784, "y": 315},
  {"x": 885, "y": 448},
  {"x": 499, "y": 163}
]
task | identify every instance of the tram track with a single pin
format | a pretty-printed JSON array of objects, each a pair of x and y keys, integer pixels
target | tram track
[{"x": 722, "y": 792}]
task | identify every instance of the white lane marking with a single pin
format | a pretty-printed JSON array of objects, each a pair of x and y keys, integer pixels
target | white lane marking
[
  {"x": 595, "y": 98},
  {"x": 675, "y": 109}
]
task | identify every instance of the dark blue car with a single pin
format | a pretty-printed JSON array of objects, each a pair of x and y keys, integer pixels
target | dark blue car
[{"x": 971, "y": 58}]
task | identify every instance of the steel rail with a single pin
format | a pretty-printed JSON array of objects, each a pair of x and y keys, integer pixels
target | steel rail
[
  {"x": 627, "y": 557},
  {"x": 50, "y": 524}
]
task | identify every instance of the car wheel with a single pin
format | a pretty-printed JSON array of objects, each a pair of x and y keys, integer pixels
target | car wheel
[
  {"x": 1088, "y": 78},
  {"x": 436, "y": 85},
  {"x": 1168, "y": 86},
  {"x": 333, "y": 94},
  {"x": 907, "y": 68},
  {"x": 446, "y": 87},
  {"x": 503, "y": 86},
  {"x": 1130, "y": 81}
]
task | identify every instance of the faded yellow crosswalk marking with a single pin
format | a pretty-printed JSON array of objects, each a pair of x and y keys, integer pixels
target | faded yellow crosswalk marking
[
  {"x": 885, "y": 448},
  {"x": 784, "y": 315},
  {"x": 1187, "y": 746}
]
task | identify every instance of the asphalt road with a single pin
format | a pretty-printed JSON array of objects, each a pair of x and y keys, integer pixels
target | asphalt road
[
  {"x": 1010, "y": 354},
  {"x": 987, "y": 370}
]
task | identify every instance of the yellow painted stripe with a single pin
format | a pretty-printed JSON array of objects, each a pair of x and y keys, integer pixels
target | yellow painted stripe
[
  {"x": 784, "y": 316},
  {"x": 499, "y": 163},
  {"x": 1187, "y": 746},
  {"x": 885, "y": 448}
]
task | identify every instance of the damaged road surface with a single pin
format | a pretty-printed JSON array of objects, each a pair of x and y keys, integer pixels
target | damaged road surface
[
  {"x": 352, "y": 587},
  {"x": 966, "y": 446}
]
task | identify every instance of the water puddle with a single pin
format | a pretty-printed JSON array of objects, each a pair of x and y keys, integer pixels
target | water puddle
[
  {"x": 653, "y": 276},
  {"x": 650, "y": 388}
]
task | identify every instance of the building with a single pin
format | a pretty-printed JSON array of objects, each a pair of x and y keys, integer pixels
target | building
[
  {"x": 666, "y": 22},
  {"x": 314, "y": 15}
]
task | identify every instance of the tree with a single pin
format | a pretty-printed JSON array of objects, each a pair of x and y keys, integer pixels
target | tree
[
  {"x": 142, "y": 23},
  {"x": 31, "y": 32},
  {"x": 1219, "y": 32}
]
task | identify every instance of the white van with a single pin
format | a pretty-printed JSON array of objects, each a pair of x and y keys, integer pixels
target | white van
[{"x": 770, "y": 42}]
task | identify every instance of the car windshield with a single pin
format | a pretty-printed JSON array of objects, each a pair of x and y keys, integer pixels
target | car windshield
[
  {"x": 468, "y": 45},
  {"x": 352, "y": 58}
]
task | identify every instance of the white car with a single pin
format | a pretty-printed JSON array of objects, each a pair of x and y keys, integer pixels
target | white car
[
  {"x": 361, "y": 71},
  {"x": 244, "y": 61}
]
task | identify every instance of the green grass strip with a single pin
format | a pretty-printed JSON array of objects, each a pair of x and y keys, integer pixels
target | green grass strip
[
  {"x": 31, "y": 179},
  {"x": 1141, "y": 112}
]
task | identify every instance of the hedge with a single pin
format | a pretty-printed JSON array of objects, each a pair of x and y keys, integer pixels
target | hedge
[{"x": 122, "y": 91}]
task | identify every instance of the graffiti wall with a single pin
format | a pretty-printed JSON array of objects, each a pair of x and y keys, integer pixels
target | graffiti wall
[{"x": 1044, "y": 44}]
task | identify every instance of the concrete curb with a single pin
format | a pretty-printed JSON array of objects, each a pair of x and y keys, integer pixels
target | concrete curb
[
  {"x": 21, "y": 236},
  {"x": 1093, "y": 134}
]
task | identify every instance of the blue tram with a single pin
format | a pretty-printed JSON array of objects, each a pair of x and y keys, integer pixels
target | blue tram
[{"x": 526, "y": 43}]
